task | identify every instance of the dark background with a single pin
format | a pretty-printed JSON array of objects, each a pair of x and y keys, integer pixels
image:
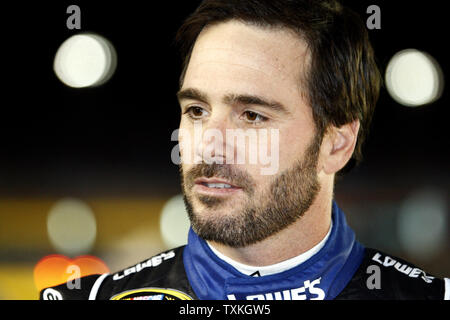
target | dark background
[
  {"x": 55, "y": 139},
  {"x": 114, "y": 140}
]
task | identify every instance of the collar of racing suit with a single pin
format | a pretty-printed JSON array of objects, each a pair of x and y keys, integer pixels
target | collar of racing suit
[
  {"x": 323, "y": 276},
  {"x": 277, "y": 267}
]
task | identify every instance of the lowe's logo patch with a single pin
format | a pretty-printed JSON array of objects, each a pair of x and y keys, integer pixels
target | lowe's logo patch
[
  {"x": 411, "y": 272},
  {"x": 309, "y": 291}
]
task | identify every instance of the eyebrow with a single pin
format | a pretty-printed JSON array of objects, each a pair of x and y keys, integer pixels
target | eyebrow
[
  {"x": 192, "y": 94},
  {"x": 255, "y": 100},
  {"x": 231, "y": 99}
]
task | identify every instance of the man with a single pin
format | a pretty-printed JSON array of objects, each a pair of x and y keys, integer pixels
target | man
[{"x": 306, "y": 71}]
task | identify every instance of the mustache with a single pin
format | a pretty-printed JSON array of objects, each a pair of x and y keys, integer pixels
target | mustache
[{"x": 228, "y": 172}]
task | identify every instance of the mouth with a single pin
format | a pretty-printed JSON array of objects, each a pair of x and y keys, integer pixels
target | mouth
[{"x": 215, "y": 187}]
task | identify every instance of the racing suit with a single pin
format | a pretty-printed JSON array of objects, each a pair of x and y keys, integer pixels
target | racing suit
[{"x": 341, "y": 269}]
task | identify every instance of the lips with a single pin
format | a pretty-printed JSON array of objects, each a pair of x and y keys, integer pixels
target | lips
[
  {"x": 215, "y": 183},
  {"x": 215, "y": 186}
]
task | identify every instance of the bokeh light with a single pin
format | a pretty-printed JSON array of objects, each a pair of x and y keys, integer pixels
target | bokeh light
[
  {"x": 85, "y": 60},
  {"x": 71, "y": 227},
  {"x": 174, "y": 222},
  {"x": 56, "y": 269},
  {"x": 414, "y": 78},
  {"x": 422, "y": 224}
]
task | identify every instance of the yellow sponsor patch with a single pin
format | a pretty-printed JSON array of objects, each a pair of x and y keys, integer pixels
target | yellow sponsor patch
[{"x": 152, "y": 294}]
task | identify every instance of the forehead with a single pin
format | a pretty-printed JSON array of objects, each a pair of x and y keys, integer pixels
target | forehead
[{"x": 247, "y": 57}]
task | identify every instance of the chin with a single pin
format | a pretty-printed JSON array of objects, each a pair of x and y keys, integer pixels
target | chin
[{"x": 207, "y": 208}]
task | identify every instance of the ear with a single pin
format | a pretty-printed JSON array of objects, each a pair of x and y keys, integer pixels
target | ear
[{"x": 338, "y": 146}]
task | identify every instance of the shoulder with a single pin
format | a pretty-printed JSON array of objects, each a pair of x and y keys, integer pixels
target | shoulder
[
  {"x": 162, "y": 271},
  {"x": 384, "y": 276}
]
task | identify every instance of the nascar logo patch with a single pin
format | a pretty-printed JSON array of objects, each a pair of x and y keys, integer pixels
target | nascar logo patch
[{"x": 152, "y": 294}]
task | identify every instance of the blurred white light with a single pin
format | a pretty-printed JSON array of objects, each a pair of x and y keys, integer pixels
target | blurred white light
[
  {"x": 85, "y": 60},
  {"x": 422, "y": 224},
  {"x": 174, "y": 222},
  {"x": 71, "y": 227},
  {"x": 414, "y": 78}
]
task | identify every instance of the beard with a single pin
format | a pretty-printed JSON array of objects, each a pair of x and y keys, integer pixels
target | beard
[{"x": 264, "y": 213}]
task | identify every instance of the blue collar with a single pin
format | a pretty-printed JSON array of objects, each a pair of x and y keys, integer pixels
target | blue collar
[{"x": 323, "y": 276}]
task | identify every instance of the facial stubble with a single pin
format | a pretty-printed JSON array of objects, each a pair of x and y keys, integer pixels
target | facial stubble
[{"x": 263, "y": 213}]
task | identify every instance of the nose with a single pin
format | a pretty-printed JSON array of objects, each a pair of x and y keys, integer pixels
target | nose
[{"x": 211, "y": 146}]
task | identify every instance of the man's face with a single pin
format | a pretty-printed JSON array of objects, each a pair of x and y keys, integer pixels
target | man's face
[{"x": 242, "y": 78}]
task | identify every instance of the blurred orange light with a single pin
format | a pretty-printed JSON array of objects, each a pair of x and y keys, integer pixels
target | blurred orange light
[{"x": 57, "y": 269}]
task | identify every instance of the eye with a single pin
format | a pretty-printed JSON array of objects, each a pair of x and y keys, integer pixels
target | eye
[
  {"x": 195, "y": 112},
  {"x": 251, "y": 116}
]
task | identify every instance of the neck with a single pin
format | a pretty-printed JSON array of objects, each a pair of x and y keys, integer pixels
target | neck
[{"x": 294, "y": 240}]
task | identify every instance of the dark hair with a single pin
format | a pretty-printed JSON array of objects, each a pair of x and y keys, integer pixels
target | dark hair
[{"x": 342, "y": 81}]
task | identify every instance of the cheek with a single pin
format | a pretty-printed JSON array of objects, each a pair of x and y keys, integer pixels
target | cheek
[
  {"x": 293, "y": 144},
  {"x": 186, "y": 141}
]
